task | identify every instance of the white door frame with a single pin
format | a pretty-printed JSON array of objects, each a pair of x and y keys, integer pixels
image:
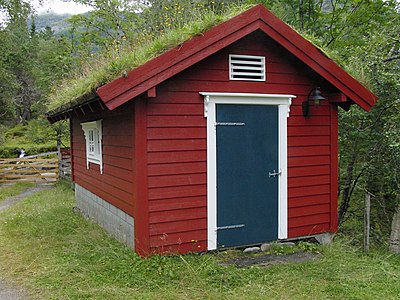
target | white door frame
[{"x": 210, "y": 100}]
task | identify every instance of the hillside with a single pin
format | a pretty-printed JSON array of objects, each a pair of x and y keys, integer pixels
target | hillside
[{"x": 58, "y": 23}]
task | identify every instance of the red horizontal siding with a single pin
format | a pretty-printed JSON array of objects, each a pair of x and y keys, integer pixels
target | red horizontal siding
[
  {"x": 177, "y": 156},
  {"x": 309, "y": 140},
  {"x": 123, "y": 152},
  {"x": 309, "y": 210},
  {"x": 116, "y": 162},
  {"x": 114, "y": 182},
  {"x": 319, "y": 111},
  {"x": 120, "y": 126},
  {"x": 309, "y": 161},
  {"x": 171, "y": 98},
  {"x": 119, "y": 140},
  {"x": 309, "y": 190},
  {"x": 309, "y": 220},
  {"x": 308, "y": 131},
  {"x": 115, "y": 185},
  {"x": 177, "y": 215},
  {"x": 177, "y": 203},
  {"x": 182, "y": 109},
  {"x": 212, "y": 75},
  {"x": 176, "y": 144},
  {"x": 171, "y": 239},
  {"x": 118, "y": 172},
  {"x": 178, "y": 226},
  {"x": 305, "y": 151},
  {"x": 308, "y": 200},
  {"x": 195, "y": 245},
  {"x": 179, "y": 191},
  {"x": 177, "y": 180},
  {"x": 177, "y": 168},
  {"x": 102, "y": 184},
  {"x": 308, "y": 180},
  {"x": 176, "y": 133},
  {"x": 175, "y": 121},
  {"x": 308, "y": 230},
  {"x": 308, "y": 171},
  {"x": 237, "y": 87},
  {"x": 123, "y": 163}
]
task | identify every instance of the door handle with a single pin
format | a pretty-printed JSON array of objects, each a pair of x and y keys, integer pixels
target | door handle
[{"x": 274, "y": 173}]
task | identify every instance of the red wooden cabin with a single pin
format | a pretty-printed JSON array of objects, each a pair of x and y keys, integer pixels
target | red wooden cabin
[{"x": 233, "y": 107}]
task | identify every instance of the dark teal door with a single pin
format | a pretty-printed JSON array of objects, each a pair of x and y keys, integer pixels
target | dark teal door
[{"x": 247, "y": 196}]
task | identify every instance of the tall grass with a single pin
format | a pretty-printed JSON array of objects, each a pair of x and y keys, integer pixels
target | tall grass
[{"x": 57, "y": 254}]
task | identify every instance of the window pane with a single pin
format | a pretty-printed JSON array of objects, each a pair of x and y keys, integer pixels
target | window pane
[
  {"x": 91, "y": 142},
  {"x": 97, "y": 142}
]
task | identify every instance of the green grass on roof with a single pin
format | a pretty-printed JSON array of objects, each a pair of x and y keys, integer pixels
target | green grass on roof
[
  {"x": 104, "y": 68},
  {"x": 101, "y": 69}
]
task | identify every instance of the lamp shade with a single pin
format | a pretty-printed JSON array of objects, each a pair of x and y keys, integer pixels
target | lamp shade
[{"x": 316, "y": 96}]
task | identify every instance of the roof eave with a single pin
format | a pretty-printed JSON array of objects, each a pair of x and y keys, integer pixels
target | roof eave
[{"x": 72, "y": 108}]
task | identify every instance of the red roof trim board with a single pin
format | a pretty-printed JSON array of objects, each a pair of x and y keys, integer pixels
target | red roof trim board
[{"x": 172, "y": 62}]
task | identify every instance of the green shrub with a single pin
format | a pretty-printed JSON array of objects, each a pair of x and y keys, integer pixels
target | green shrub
[
  {"x": 2, "y": 135},
  {"x": 12, "y": 151},
  {"x": 36, "y": 137},
  {"x": 18, "y": 130}
]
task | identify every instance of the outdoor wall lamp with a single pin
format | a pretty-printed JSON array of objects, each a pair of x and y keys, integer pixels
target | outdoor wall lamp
[{"x": 314, "y": 95}]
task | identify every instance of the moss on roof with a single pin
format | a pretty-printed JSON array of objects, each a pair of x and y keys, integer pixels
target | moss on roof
[
  {"x": 101, "y": 69},
  {"x": 104, "y": 68}
]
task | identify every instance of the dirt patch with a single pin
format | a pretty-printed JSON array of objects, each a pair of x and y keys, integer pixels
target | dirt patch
[
  {"x": 271, "y": 259},
  {"x": 8, "y": 292},
  {"x": 12, "y": 200}
]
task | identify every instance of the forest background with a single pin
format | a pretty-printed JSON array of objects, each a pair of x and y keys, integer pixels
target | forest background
[{"x": 363, "y": 36}]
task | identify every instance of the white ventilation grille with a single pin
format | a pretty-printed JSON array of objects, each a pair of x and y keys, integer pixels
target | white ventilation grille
[{"x": 246, "y": 67}]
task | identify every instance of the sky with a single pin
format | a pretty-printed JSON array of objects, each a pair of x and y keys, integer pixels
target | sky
[
  {"x": 59, "y": 7},
  {"x": 56, "y": 6}
]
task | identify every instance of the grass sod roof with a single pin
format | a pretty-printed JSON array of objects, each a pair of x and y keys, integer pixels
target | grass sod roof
[{"x": 101, "y": 70}]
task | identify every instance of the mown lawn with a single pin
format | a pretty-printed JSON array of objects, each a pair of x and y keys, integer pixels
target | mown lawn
[{"x": 57, "y": 254}]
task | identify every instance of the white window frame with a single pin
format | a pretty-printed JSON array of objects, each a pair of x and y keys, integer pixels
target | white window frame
[
  {"x": 93, "y": 139},
  {"x": 210, "y": 100},
  {"x": 251, "y": 66}
]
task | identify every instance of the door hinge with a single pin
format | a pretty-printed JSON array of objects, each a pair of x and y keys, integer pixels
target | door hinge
[
  {"x": 274, "y": 173},
  {"x": 229, "y": 124},
  {"x": 230, "y": 227}
]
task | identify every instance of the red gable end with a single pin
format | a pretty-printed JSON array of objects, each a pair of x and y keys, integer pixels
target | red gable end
[{"x": 149, "y": 75}]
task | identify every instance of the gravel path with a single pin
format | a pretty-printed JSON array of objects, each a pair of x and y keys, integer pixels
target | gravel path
[
  {"x": 12, "y": 200},
  {"x": 7, "y": 290}
]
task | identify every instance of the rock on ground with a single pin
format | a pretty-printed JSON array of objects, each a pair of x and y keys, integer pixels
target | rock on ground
[
  {"x": 252, "y": 250},
  {"x": 270, "y": 259}
]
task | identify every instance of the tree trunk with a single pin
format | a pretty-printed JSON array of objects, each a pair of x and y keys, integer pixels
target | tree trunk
[
  {"x": 344, "y": 205},
  {"x": 394, "y": 244},
  {"x": 301, "y": 15}
]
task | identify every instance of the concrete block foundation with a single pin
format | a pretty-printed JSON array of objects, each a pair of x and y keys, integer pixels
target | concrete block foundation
[{"x": 116, "y": 222}]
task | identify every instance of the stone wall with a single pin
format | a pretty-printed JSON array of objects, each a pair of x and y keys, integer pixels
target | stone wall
[{"x": 115, "y": 221}]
